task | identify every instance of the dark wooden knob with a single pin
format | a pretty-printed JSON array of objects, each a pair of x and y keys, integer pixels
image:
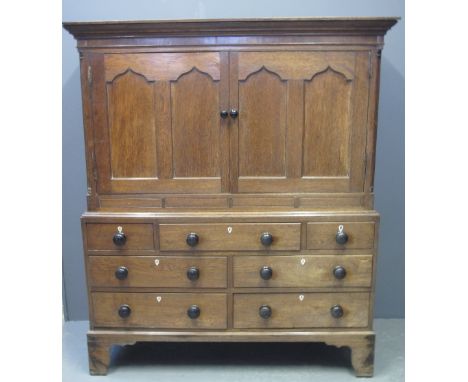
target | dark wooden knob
[
  {"x": 121, "y": 273},
  {"x": 193, "y": 273},
  {"x": 339, "y": 272},
  {"x": 336, "y": 311},
  {"x": 264, "y": 311},
  {"x": 266, "y": 238},
  {"x": 266, "y": 273},
  {"x": 193, "y": 312},
  {"x": 119, "y": 239},
  {"x": 233, "y": 113},
  {"x": 192, "y": 239},
  {"x": 124, "y": 311},
  {"x": 341, "y": 236},
  {"x": 224, "y": 114}
]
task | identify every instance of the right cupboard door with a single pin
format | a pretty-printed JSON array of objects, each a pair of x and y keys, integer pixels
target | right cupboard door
[{"x": 302, "y": 121}]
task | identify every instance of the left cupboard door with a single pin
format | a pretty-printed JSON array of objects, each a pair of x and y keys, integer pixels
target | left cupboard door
[{"x": 156, "y": 122}]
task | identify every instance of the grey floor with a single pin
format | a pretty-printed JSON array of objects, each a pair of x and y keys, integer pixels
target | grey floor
[{"x": 206, "y": 362}]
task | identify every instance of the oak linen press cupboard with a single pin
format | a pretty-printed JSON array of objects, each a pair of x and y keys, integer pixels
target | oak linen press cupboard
[{"x": 230, "y": 168}]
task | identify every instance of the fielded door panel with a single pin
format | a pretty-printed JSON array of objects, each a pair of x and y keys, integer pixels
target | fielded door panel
[
  {"x": 302, "y": 121},
  {"x": 156, "y": 122}
]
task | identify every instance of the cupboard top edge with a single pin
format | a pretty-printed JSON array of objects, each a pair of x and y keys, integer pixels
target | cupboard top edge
[{"x": 236, "y": 27}]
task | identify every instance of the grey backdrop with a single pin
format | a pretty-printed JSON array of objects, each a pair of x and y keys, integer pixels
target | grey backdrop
[{"x": 389, "y": 182}]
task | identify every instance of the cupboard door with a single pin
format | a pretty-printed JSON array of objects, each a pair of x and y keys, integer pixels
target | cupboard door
[
  {"x": 302, "y": 121},
  {"x": 157, "y": 123}
]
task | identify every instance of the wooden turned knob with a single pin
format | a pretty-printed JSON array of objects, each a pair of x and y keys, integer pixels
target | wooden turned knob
[
  {"x": 192, "y": 239},
  {"x": 264, "y": 311},
  {"x": 193, "y": 312},
  {"x": 121, "y": 273},
  {"x": 124, "y": 311},
  {"x": 266, "y": 273}
]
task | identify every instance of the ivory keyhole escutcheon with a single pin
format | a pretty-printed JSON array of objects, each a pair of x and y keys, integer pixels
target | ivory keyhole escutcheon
[
  {"x": 303, "y": 261},
  {"x": 229, "y": 230},
  {"x": 301, "y": 297},
  {"x": 156, "y": 262},
  {"x": 158, "y": 299}
]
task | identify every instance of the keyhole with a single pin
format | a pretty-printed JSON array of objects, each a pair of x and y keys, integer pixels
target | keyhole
[{"x": 156, "y": 262}]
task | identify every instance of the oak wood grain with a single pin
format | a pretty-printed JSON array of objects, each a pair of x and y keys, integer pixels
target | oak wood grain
[
  {"x": 297, "y": 162},
  {"x": 158, "y": 271},
  {"x": 262, "y": 125},
  {"x": 139, "y": 236},
  {"x": 160, "y": 310},
  {"x": 132, "y": 127},
  {"x": 290, "y": 311},
  {"x": 312, "y": 26},
  {"x": 195, "y": 126},
  {"x": 327, "y": 125},
  {"x": 303, "y": 271},
  {"x": 162, "y": 66},
  {"x": 323, "y": 235},
  {"x": 230, "y": 236}
]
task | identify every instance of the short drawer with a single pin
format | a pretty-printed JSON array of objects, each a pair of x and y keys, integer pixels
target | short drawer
[
  {"x": 307, "y": 310},
  {"x": 160, "y": 310},
  {"x": 355, "y": 235},
  {"x": 303, "y": 271},
  {"x": 230, "y": 237},
  {"x": 127, "y": 236},
  {"x": 157, "y": 271}
]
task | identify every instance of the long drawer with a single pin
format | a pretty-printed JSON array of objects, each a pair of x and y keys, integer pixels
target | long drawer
[
  {"x": 160, "y": 310},
  {"x": 295, "y": 310},
  {"x": 158, "y": 271},
  {"x": 230, "y": 236},
  {"x": 303, "y": 271}
]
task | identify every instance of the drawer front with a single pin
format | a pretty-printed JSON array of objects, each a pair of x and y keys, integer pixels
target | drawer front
[
  {"x": 230, "y": 237},
  {"x": 157, "y": 271},
  {"x": 303, "y": 271},
  {"x": 136, "y": 236},
  {"x": 307, "y": 310},
  {"x": 160, "y": 310},
  {"x": 324, "y": 235}
]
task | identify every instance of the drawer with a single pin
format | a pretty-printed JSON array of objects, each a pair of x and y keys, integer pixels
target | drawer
[
  {"x": 230, "y": 237},
  {"x": 303, "y": 271},
  {"x": 157, "y": 271},
  {"x": 160, "y": 310},
  {"x": 307, "y": 310},
  {"x": 324, "y": 235},
  {"x": 132, "y": 236}
]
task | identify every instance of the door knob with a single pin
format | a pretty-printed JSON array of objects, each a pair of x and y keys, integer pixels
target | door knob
[{"x": 224, "y": 114}]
